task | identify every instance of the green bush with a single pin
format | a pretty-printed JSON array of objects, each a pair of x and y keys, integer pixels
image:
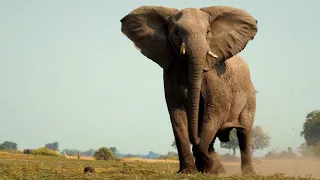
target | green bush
[
  {"x": 27, "y": 151},
  {"x": 45, "y": 152},
  {"x": 103, "y": 153}
]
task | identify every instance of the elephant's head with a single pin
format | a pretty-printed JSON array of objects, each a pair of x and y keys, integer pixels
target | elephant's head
[{"x": 205, "y": 37}]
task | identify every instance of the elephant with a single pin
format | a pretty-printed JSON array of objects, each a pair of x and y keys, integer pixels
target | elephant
[{"x": 207, "y": 85}]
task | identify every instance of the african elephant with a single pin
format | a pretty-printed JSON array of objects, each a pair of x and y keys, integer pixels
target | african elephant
[{"x": 208, "y": 88}]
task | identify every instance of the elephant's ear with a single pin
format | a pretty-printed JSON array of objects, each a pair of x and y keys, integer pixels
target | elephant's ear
[
  {"x": 147, "y": 28},
  {"x": 230, "y": 31}
]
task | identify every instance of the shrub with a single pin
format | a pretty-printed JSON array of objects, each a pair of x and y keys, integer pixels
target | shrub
[
  {"x": 316, "y": 150},
  {"x": 103, "y": 153},
  {"x": 282, "y": 154},
  {"x": 27, "y": 151},
  {"x": 45, "y": 152},
  {"x": 287, "y": 154},
  {"x": 310, "y": 150}
]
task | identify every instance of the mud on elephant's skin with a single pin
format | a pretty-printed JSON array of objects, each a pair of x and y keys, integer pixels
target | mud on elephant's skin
[{"x": 206, "y": 84}]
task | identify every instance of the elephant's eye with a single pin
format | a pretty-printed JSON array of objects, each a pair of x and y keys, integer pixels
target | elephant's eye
[
  {"x": 208, "y": 33},
  {"x": 177, "y": 32}
]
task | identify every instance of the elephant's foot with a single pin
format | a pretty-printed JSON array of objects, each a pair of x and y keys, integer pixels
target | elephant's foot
[
  {"x": 247, "y": 169},
  {"x": 204, "y": 162},
  {"x": 199, "y": 165},
  {"x": 216, "y": 167},
  {"x": 208, "y": 163},
  {"x": 188, "y": 170},
  {"x": 198, "y": 161}
]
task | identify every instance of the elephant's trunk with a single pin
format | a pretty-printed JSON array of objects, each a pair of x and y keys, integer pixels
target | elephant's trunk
[
  {"x": 194, "y": 87},
  {"x": 196, "y": 57}
]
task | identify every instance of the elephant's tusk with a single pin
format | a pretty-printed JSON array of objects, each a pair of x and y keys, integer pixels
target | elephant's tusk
[
  {"x": 183, "y": 48},
  {"x": 212, "y": 54}
]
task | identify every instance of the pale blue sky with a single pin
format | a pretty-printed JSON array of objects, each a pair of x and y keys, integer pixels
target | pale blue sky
[{"x": 68, "y": 74}]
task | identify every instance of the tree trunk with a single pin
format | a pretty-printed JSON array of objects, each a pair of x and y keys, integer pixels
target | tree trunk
[{"x": 234, "y": 151}]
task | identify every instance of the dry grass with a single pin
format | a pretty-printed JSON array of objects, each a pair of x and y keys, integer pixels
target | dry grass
[
  {"x": 149, "y": 160},
  {"x": 20, "y": 166}
]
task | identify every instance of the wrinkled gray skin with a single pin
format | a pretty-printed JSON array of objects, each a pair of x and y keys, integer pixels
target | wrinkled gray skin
[{"x": 208, "y": 89}]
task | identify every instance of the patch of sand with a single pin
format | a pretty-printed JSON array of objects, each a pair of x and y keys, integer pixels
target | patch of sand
[{"x": 149, "y": 160}]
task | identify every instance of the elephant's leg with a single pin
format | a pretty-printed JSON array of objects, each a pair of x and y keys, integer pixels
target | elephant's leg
[
  {"x": 217, "y": 166},
  {"x": 244, "y": 137},
  {"x": 180, "y": 130},
  {"x": 201, "y": 151}
]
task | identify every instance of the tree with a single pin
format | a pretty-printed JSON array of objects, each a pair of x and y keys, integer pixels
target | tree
[
  {"x": 71, "y": 152},
  {"x": 306, "y": 150},
  {"x": 311, "y": 128},
  {"x": 232, "y": 143},
  {"x": 174, "y": 145},
  {"x": 8, "y": 145},
  {"x": 172, "y": 154},
  {"x": 89, "y": 152},
  {"x": 152, "y": 155},
  {"x": 259, "y": 139},
  {"x": 316, "y": 150},
  {"x": 113, "y": 149},
  {"x": 103, "y": 153},
  {"x": 53, "y": 146},
  {"x": 130, "y": 155}
]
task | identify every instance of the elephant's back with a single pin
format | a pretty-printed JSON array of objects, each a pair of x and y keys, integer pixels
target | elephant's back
[
  {"x": 237, "y": 64},
  {"x": 237, "y": 74}
]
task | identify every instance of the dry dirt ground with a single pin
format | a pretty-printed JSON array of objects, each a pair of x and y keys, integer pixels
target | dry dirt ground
[
  {"x": 21, "y": 166},
  {"x": 292, "y": 167}
]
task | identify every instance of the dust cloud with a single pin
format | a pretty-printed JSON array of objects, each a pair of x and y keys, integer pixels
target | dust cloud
[{"x": 302, "y": 166}]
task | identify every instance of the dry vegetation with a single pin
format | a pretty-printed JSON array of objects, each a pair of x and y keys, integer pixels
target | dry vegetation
[{"x": 21, "y": 166}]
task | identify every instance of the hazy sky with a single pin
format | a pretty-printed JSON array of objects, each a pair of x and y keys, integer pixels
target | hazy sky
[{"x": 68, "y": 74}]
